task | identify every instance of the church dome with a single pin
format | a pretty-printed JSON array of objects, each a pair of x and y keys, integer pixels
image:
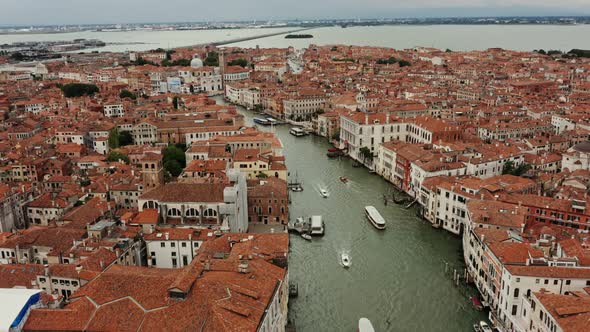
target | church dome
[{"x": 196, "y": 62}]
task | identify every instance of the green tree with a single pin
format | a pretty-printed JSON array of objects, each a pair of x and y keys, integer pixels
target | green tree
[
  {"x": 79, "y": 89},
  {"x": 173, "y": 167},
  {"x": 127, "y": 94},
  {"x": 508, "y": 167},
  {"x": 114, "y": 138},
  {"x": 125, "y": 138},
  {"x": 404, "y": 63},
  {"x": 174, "y": 160},
  {"x": 336, "y": 134},
  {"x": 366, "y": 154},
  {"x": 448, "y": 50},
  {"x": 116, "y": 156},
  {"x": 239, "y": 62},
  {"x": 212, "y": 59}
]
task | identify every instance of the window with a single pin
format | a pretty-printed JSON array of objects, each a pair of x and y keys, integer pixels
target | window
[
  {"x": 173, "y": 244},
  {"x": 516, "y": 291},
  {"x": 514, "y": 309},
  {"x": 163, "y": 244},
  {"x": 183, "y": 244},
  {"x": 568, "y": 282}
]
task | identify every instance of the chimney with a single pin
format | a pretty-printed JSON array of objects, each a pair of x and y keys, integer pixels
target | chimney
[
  {"x": 167, "y": 235},
  {"x": 101, "y": 264},
  {"x": 78, "y": 268},
  {"x": 366, "y": 118},
  {"x": 46, "y": 269},
  {"x": 243, "y": 266},
  {"x": 207, "y": 265}
]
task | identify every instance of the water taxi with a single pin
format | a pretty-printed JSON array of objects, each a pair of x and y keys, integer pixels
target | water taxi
[
  {"x": 261, "y": 121},
  {"x": 324, "y": 193},
  {"x": 375, "y": 217},
  {"x": 298, "y": 132},
  {"x": 365, "y": 325},
  {"x": 345, "y": 260}
]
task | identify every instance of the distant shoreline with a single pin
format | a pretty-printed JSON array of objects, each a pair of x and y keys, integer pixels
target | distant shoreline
[{"x": 301, "y": 26}]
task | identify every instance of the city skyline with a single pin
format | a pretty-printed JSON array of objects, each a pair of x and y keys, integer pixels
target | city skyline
[{"x": 134, "y": 11}]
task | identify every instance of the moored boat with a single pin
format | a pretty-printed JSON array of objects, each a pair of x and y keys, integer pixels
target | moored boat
[
  {"x": 344, "y": 179},
  {"x": 375, "y": 217},
  {"x": 306, "y": 236},
  {"x": 324, "y": 193}
]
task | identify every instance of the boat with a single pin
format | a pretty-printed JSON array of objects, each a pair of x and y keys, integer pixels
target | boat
[
  {"x": 333, "y": 153},
  {"x": 261, "y": 121},
  {"x": 365, "y": 325},
  {"x": 375, "y": 217},
  {"x": 343, "y": 179},
  {"x": 345, "y": 259},
  {"x": 271, "y": 121},
  {"x": 476, "y": 303},
  {"x": 298, "y": 132},
  {"x": 306, "y": 236},
  {"x": 324, "y": 193},
  {"x": 484, "y": 326},
  {"x": 317, "y": 225},
  {"x": 297, "y": 188},
  {"x": 476, "y": 328}
]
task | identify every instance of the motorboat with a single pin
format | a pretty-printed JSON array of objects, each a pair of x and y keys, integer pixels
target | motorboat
[
  {"x": 484, "y": 327},
  {"x": 343, "y": 179},
  {"x": 261, "y": 121},
  {"x": 298, "y": 132},
  {"x": 297, "y": 188},
  {"x": 306, "y": 236},
  {"x": 345, "y": 259},
  {"x": 365, "y": 325},
  {"x": 375, "y": 217},
  {"x": 324, "y": 193}
]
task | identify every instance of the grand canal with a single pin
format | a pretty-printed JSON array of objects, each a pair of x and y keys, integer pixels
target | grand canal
[{"x": 397, "y": 278}]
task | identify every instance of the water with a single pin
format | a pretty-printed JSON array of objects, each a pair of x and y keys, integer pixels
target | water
[
  {"x": 455, "y": 37},
  {"x": 396, "y": 278},
  {"x": 150, "y": 39}
]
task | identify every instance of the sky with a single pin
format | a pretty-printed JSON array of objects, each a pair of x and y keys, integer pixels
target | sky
[{"x": 39, "y": 12}]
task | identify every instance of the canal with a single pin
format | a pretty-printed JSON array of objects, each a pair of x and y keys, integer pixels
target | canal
[{"x": 397, "y": 276}]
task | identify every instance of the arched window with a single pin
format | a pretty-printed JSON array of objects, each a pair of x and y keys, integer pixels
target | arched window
[
  {"x": 210, "y": 213},
  {"x": 276, "y": 174},
  {"x": 192, "y": 212},
  {"x": 174, "y": 212}
]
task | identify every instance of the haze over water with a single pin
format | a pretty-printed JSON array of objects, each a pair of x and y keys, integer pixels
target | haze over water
[{"x": 454, "y": 37}]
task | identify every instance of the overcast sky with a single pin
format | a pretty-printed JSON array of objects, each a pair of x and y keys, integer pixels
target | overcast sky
[{"x": 30, "y": 12}]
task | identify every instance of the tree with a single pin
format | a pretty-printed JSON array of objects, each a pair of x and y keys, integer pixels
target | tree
[
  {"x": 114, "y": 138},
  {"x": 174, "y": 160},
  {"x": 261, "y": 175},
  {"x": 127, "y": 94},
  {"x": 79, "y": 89},
  {"x": 448, "y": 50},
  {"x": 18, "y": 56},
  {"x": 238, "y": 62},
  {"x": 117, "y": 156},
  {"x": 118, "y": 138},
  {"x": 336, "y": 134},
  {"x": 212, "y": 59},
  {"x": 173, "y": 167},
  {"x": 366, "y": 154},
  {"x": 125, "y": 138},
  {"x": 542, "y": 51},
  {"x": 404, "y": 63},
  {"x": 516, "y": 171}
]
